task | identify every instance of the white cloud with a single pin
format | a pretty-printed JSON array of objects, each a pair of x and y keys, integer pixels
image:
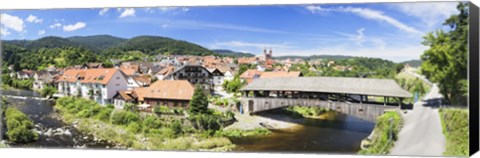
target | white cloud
[
  {"x": 365, "y": 41},
  {"x": 166, "y": 9},
  {"x": 4, "y": 32},
  {"x": 368, "y": 14},
  {"x": 359, "y": 38},
  {"x": 174, "y": 10},
  {"x": 127, "y": 12},
  {"x": 41, "y": 32},
  {"x": 11, "y": 22},
  {"x": 149, "y": 10},
  {"x": 33, "y": 19},
  {"x": 314, "y": 9},
  {"x": 103, "y": 11},
  {"x": 73, "y": 27},
  {"x": 431, "y": 13},
  {"x": 379, "y": 16},
  {"x": 55, "y": 25},
  {"x": 164, "y": 25}
]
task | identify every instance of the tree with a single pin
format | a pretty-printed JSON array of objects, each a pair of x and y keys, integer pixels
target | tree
[
  {"x": 130, "y": 107},
  {"x": 199, "y": 102},
  {"x": 445, "y": 62},
  {"x": 399, "y": 67},
  {"x": 107, "y": 64},
  {"x": 233, "y": 86},
  {"x": 48, "y": 91},
  {"x": 19, "y": 126}
]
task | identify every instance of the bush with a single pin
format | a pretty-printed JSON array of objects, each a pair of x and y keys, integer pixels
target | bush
[
  {"x": 176, "y": 127},
  {"x": 206, "y": 122},
  {"x": 104, "y": 114},
  {"x": 152, "y": 122},
  {"x": 243, "y": 133},
  {"x": 134, "y": 127},
  {"x": 380, "y": 143},
  {"x": 22, "y": 84},
  {"x": 123, "y": 117},
  {"x": 48, "y": 91},
  {"x": 19, "y": 126}
]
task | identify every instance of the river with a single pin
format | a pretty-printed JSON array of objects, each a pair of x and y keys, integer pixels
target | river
[
  {"x": 334, "y": 133},
  {"x": 53, "y": 132}
]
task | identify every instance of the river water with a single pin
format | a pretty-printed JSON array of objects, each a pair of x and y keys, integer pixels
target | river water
[
  {"x": 332, "y": 133},
  {"x": 53, "y": 132}
]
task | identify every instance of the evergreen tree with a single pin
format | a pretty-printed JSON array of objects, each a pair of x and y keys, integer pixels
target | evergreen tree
[{"x": 199, "y": 102}]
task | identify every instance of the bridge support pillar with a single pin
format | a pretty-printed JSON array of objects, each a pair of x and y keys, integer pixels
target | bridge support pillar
[{"x": 384, "y": 101}]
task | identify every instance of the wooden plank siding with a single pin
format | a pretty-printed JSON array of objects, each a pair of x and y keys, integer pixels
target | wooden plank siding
[{"x": 364, "y": 111}]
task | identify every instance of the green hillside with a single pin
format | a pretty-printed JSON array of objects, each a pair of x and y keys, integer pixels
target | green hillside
[
  {"x": 232, "y": 53},
  {"x": 154, "y": 45},
  {"x": 98, "y": 42}
]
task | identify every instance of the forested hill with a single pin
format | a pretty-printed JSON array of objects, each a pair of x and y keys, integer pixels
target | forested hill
[
  {"x": 98, "y": 42},
  {"x": 45, "y": 42},
  {"x": 61, "y": 52},
  {"x": 232, "y": 53},
  {"x": 413, "y": 63},
  {"x": 152, "y": 45}
]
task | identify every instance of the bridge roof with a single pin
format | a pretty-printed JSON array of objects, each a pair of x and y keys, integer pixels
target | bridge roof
[{"x": 363, "y": 86}]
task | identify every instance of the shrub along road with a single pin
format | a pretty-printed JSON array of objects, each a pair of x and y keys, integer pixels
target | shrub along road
[{"x": 421, "y": 134}]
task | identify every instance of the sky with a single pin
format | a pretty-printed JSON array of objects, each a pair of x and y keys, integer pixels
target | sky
[{"x": 392, "y": 31}]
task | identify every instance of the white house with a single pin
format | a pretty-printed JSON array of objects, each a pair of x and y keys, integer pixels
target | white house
[
  {"x": 228, "y": 75},
  {"x": 43, "y": 78},
  {"x": 195, "y": 74},
  {"x": 218, "y": 77},
  {"x": 137, "y": 81},
  {"x": 100, "y": 85}
]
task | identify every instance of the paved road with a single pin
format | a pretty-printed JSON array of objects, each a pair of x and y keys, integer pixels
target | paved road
[{"x": 421, "y": 134}]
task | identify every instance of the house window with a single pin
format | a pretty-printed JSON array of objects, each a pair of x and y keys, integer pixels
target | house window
[
  {"x": 117, "y": 84},
  {"x": 118, "y": 78}
]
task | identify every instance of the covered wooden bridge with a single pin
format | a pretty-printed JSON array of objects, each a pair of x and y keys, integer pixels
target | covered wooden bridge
[{"x": 364, "y": 98}]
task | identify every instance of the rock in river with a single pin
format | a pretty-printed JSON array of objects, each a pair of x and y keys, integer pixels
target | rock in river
[{"x": 67, "y": 132}]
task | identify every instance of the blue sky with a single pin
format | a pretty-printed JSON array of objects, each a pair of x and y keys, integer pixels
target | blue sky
[{"x": 387, "y": 30}]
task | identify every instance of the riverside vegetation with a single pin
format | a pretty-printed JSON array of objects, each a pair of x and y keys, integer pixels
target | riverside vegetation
[
  {"x": 19, "y": 126},
  {"x": 200, "y": 130},
  {"x": 455, "y": 129},
  {"x": 384, "y": 134},
  {"x": 131, "y": 129}
]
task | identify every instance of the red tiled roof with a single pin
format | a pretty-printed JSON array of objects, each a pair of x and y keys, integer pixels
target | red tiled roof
[
  {"x": 170, "y": 89},
  {"x": 101, "y": 76},
  {"x": 250, "y": 73},
  {"x": 280, "y": 74}
]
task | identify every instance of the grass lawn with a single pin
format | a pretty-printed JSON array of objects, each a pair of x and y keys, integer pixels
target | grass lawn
[
  {"x": 380, "y": 143},
  {"x": 455, "y": 129}
]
